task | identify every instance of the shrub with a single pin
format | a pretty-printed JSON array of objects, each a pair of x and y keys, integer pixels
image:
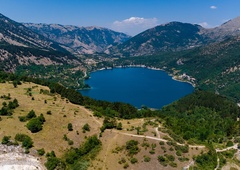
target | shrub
[
  {"x": 119, "y": 126},
  {"x": 34, "y": 125},
  {"x": 229, "y": 144},
  {"x": 25, "y": 139},
  {"x": 22, "y": 118},
  {"x": 125, "y": 166},
  {"x": 6, "y": 140},
  {"x": 41, "y": 152},
  {"x": 147, "y": 159},
  {"x": 132, "y": 147},
  {"x": 86, "y": 127},
  {"x": 133, "y": 160},
  {"x": 70, "y": 142},
  {"x": 41, "y": 118},
  {"x": 31, "y": 115},
  {"x": 70, "y": 127},
  {"x": 161, "y": 143}
]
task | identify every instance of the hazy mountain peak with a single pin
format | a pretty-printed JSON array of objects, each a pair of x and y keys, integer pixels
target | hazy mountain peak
[
  {"x": 80, "y": 40},
  {"x": 235, "y": 23}
]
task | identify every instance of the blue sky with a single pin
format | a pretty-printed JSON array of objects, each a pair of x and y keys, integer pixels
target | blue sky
[{"x": 128, "y": 16}]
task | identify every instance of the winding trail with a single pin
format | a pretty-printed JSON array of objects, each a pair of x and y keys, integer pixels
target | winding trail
[
  {"x": 154, "y": 138},
  {"x": 90, "y": 114},
  {"x": 157, "y": 132},
  {"x": 228, "y": 148},
  {"x": 223, "y": 150},
  {"x": 106, "y": 153}
]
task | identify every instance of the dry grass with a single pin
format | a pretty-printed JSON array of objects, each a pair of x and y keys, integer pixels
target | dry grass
[
  {"x": 111, "y": 139},
  {"x": 63, "y": 112}
]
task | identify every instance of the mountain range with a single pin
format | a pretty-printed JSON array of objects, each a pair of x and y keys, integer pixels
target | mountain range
[
  {"x": 175, "y": 36},
  {"x": 209, "y": 55},
  {"x": 22, "y": 46},
  {"x": 80, "y": 40}
]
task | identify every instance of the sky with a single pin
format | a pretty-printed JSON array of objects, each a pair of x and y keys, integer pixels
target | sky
[{"x": 127, "y": 16}]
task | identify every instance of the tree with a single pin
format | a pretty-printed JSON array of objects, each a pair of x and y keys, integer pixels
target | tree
[
  {"x": 25, "y": 139},
  {"x": 41, "y": 152},
  {"x": 15, "y": 84},
  {"x": 34, "y": 125},
  {"x": 31, "y": 114},
  {"x": 119, "y": 126},
  {"x": 70, "y": 127},
  {"x": 86, "y": 127},
  {"x": 41, "y": 118},
  {"x": 6, "y": 140}
]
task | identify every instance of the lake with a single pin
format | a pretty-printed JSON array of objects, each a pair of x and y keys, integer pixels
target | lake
[{"x": 136, "y": 86}]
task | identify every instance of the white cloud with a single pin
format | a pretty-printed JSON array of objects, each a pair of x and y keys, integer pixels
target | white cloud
[
  {"x": 213, "y": 7},
  {"x": 204, "y": 24},
  {"x": 134, "y": 25}
]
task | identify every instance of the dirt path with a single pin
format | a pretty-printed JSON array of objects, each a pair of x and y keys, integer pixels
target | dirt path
[
  {"x": 106, "y": 153},
  {"x": 157, "y": 132},
  {"x": 188, "y": 165},
  {"x": 90, "y": 114},
  {"x": 155, "y": 138},
  {"x": 217, "y": 164},
  {"x": 226, "y": 149}
]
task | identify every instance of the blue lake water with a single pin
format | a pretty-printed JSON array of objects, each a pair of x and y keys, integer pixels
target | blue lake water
[{"x": 136, "y": 86}]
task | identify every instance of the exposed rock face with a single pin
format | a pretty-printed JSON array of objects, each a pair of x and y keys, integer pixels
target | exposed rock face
[
  {"x": 80, "y": 40},
  {"x": 13, "y": 158}
]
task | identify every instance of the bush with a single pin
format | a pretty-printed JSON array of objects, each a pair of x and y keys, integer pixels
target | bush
[
  {"x": 34, "y": 125},
  {"x": 147, "y": 159},
  {"x": 70, "y": 142},
  {"x": 229, "y": 144},
  {"x": 41, "y": 152},
  {"x": 31, "y": 115},
  {"x": 54, "y": 163},
  {"x": 125, "y": 166},
  {"x": 132, "y": 147},
  {"x": 25, "y": 139},
  {"x": 70, "y": 127},
  {"x": 86, "y": 127},
  {"x": 6, "y": 140},
  {"x": 22, "y": 118},
  {"x": 119, "y": 126},
  {"x": 133, "y": 160},
  {"x": 161, "y": 143}
]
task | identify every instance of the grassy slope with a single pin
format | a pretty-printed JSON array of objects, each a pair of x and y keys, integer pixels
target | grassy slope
[
  {"x": 113, "y": 139},
  {"x": 51, "y": 137}
]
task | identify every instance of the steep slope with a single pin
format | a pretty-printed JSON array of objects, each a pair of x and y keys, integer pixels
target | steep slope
[
  {"x": 228, "y": 29},
  {"x": 175, "y": 36},
  {"x": 22, "y": 46},
  {"x": 80, "y": 40}
]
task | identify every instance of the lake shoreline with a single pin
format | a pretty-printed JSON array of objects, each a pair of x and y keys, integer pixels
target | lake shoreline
[
  {"x": 180, "y": 78},
  {"x": 136, "y": 78}
]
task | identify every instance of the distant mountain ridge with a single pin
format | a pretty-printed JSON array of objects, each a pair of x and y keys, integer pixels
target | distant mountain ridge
[
  {"x": 175, "y": 36},
  {"x": 20, "y": 45},
  {"x": 80, "y": 40}
]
